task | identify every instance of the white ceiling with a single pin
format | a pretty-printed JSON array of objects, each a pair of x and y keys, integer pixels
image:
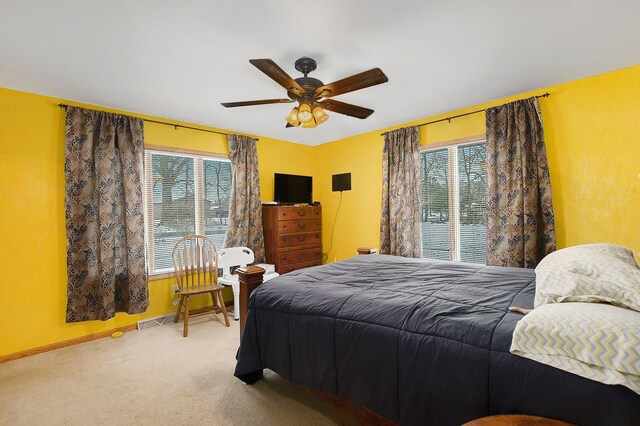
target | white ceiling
[{"x": 180, "y": 59}]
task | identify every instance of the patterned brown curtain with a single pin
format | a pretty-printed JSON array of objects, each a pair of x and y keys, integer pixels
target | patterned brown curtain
[
  {"x": 103, "y": 168},
  {"x": 520, "y": 220},
  {"x": 245, "y": 210},
  {"x": 400, "y": 223}
]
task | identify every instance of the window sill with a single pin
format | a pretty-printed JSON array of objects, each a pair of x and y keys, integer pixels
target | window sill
[{"x": 161, "y": 275}]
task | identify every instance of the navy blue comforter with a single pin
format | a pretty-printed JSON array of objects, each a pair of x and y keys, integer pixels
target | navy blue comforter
[{"x": 418, "y": 341}]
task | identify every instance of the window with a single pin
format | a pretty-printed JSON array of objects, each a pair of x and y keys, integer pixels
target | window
[
  {"x": 185, "y": 194},
  {"x": 453, "y": 186}
]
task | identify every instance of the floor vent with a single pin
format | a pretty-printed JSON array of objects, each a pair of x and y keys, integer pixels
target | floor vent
[{"x": 152, "y": 322}]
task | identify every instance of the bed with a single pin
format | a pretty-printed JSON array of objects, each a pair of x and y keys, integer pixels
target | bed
[{"x": 417, "y": 341}]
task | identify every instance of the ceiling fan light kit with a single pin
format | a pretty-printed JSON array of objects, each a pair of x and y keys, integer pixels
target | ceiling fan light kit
[
  {"x": 305, "y": 117},
  {"x": 312, "y": 95}
]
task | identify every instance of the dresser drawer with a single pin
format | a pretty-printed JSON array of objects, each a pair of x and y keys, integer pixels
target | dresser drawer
[
  {"x": 293, "y": 266},
  {"x": 295, "y": 226},
  {"x": 293, "y": 213},
  {"x": 294, "y": 256},
  {"x": 305, "y": 239},
  {"x": 289, "y": 257},
  {"x": 311, "y": 254}
]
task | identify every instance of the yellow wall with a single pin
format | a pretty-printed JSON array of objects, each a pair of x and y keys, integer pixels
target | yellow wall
[
  {"x": 592, "y": 131},
  {"x": 32, "y": 221}
]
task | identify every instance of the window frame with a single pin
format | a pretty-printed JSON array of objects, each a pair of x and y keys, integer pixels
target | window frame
[
  {"x": 198, "y": 177},
  {"x": 453, "y": 188}
]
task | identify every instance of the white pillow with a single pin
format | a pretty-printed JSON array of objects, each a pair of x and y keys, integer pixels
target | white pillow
[{"x": 603, "y": 273}]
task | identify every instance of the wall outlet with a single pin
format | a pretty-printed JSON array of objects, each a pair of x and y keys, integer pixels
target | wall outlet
[{"x": 176, "y": 289}]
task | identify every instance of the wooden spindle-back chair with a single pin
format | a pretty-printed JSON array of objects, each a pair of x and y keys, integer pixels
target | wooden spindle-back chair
[{"x": 195, "y": 258}]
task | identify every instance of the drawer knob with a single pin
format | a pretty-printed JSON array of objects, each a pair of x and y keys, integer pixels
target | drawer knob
[
  {"x": 302, "y": 212},
  {"x": 302, "y": 225}
]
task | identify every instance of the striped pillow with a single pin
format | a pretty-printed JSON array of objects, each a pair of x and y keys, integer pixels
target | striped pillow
[
  {"x": 603, "y": 273},
  {"x": 596, "y": 341}
]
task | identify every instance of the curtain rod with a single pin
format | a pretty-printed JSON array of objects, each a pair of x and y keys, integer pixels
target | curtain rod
[
  {"x": 544, "y": 95},
  {"x": 175, "y": 126}
]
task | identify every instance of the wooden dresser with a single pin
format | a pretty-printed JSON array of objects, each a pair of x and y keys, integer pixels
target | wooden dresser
[{"x": 292, "y": 236}]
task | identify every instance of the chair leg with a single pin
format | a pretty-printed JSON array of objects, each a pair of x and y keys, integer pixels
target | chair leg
[
  {"x": 185, "y": 331},
  {"x": 214, "y": 299},
  {"x": 223, "y": 308},
  {"x": 179, "y": 309},
  {"x": 236, "y": 301}
]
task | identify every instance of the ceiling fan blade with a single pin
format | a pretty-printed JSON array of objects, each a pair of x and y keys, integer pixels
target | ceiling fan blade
[
  {"x": 277, "y": 74},
  {"x": 261, "y": 102},
  {"x": 346, "y": 109},
  {"x": 355, "y": 82}
]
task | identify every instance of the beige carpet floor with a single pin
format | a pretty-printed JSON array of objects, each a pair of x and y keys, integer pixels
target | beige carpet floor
[{"x": 153, "y": 376}]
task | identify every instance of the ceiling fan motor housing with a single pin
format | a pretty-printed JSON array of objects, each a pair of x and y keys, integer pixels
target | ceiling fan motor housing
[
  {"x": 306, "y": 65},
  {"x": 309, "y": 84}
]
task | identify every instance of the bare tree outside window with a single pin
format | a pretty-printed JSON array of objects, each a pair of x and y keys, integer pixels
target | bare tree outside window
[{"x": 174, "y": 182}]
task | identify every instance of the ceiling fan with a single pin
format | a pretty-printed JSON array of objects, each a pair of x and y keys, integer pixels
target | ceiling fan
[{"x": 312, "y": 95}]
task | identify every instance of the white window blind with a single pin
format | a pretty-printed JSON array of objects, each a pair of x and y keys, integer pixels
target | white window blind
[
  {"x": 453, "y": 202},
  {"x": 472, "y": 179},
  {"x": 434, "y": 191},
  {"x": 184, "y": 194}
]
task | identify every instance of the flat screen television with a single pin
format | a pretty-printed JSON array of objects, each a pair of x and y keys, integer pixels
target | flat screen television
[{"x": 292, "y": 189}]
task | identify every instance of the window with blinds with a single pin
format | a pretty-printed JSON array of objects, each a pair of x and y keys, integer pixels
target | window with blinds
[
  {"x": 453, "y": 188},
  {"x": 184, "y": 194}
]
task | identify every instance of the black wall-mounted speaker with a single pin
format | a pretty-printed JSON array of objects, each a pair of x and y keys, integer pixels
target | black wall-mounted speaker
[{"x": 341, "y": 182}]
